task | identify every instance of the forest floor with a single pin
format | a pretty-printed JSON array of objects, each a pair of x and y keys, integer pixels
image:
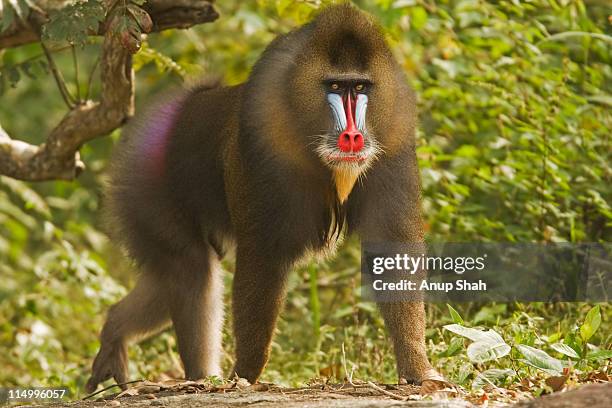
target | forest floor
[{"x": 194, "y": 394}]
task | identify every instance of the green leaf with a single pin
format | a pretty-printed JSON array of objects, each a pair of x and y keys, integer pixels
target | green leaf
[
  {"x": 493, "y": 376},
  {"x": 489, "y": 313},
  {"x": 454, "y": 314},
  {"x": 418, "y": 16},
  {"x": 540, "y": 359},
  {"x": 488, "y": 345},
  {"x": 8, "y": 16},
  {"x": 602, "y": 99},
  {"x": 482, "y": 351},
  {"x": 455, "y": 346},
  {"x": 599, "y": 355},
  {"x": 591, "y": 324},
  {"x": 472, "y": 334},
  {"x": 573, "y": 34},
  {"x": 565, "y": 350},
  {"x": 13, "y": 76},
  {"x": 26, "y": 68}
]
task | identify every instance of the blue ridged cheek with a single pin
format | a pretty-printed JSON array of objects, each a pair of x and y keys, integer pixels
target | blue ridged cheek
[
  {"x": 360, "y": 111},
  {"x": 337, "y": 108}
]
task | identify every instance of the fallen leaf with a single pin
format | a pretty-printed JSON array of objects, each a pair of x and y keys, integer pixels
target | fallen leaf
[
  {"x": 148, "y": 389},
  {"x": 556, "y": 382},
  {"x": 598, "y": 376},
  {"x": 259, "y": 387},
  {"x": 434, "y": 382},
  {"x": 241, "y": 383},
  {"x": 484, "y": 400},
  {"x": 333, "y": 370},
  {"x": 526, "y": 384}
]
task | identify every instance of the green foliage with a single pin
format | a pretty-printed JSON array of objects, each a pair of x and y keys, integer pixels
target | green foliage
[
  {"x": 486, "y": 346},
  {"x": 10, "y": 75},
  {"x": 540, "y": 360},
  {"x": 44, "y": 294},
  {"x": 74, "y": 22},
  {"x": 565, "y": 350},
  {"x": 522, "y": 353},
  {"x": 591, "y": 324},
  {"x": 514, "y": 145},
  {"x": 12, "y": 11},
  {"x": 531, "y": 161},
  {"x": 495, "y": 376},
  {"x": 162, "y": 62},
  {"x": 455, "y": 315}
]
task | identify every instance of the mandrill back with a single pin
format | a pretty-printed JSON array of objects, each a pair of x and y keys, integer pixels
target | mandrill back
[{"x": 166, "y": 191}]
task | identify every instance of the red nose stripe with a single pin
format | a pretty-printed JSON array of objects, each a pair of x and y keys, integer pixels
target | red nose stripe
[{"x": 351, "y": 139}]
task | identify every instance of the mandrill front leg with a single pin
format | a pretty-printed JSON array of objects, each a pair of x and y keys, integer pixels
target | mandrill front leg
[
  {"x": 257, "y": 298},
  {"x": 405, "y": 322}
]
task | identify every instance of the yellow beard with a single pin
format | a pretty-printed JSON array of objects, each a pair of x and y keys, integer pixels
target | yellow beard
[{"x": 345, "y": 180}]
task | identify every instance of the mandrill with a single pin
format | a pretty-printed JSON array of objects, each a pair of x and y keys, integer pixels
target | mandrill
[{"x": 317, "y": 143}]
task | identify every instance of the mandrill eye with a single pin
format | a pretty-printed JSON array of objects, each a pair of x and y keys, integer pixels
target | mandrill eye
[
  {"x": 360, "y": 87},
  {"x": 334, "y": 86}
]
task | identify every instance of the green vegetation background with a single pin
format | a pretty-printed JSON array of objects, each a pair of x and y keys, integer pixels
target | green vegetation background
[{"x": 514, "y": 146}]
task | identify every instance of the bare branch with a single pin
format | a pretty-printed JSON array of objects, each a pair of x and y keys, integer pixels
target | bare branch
[
  {"x": 75, "y": 65},
  {"x": 165, "y": 14},
  {"x": 59, "y": 78}
]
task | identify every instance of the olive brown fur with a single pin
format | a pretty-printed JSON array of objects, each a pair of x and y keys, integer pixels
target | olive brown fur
[{"x": 215, "y": 168}]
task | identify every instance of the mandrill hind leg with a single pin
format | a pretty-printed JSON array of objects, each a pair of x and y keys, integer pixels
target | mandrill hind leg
[
  {"x": 195, "y": 299},
  {"x": 141, "y": 313}
]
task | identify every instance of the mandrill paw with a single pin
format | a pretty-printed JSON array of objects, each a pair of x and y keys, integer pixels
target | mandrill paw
[
  {"x": 111, "y": 361},
  {"x": 433, "y": 381},
  {"x": 430, "y": 382}
]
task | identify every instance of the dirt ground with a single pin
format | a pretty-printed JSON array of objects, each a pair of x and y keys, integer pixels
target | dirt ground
[{"x": 193, "y": 394}]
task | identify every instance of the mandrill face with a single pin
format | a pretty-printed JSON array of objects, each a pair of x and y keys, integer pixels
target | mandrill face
[
  {"x": 347, "y": 144},
  {"x": 331, "y": 97},
  {"x": 347, "y": 88}
]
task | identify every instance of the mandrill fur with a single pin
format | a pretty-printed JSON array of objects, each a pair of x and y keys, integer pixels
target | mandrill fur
[{"x": 318, "y": 143}]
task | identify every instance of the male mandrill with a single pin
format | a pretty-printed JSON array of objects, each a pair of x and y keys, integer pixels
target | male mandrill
[{"x": 318, "y": 142}]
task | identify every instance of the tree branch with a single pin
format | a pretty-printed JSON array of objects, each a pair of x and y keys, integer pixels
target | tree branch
[
  {"x": 166, "y": 14},
  {"x": 58, "y": 157}
]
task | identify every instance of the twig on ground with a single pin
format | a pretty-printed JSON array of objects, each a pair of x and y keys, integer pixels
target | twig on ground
[
  {"x": 388, "y": 393},
  {"x": 370, "y": 384},
  {"x": 111, "y": 386}
]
